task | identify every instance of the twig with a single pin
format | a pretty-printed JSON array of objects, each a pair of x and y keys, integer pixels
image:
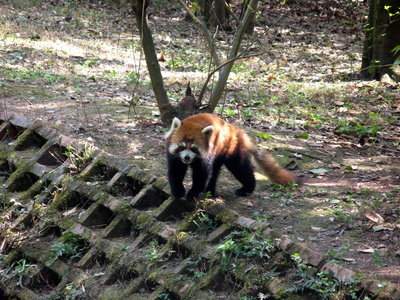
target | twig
[
  {"x": 3, "y": 246},
  {"x": 27, "y": 100}
]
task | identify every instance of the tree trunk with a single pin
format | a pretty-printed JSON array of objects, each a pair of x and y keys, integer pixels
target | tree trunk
[
  {"x": 250, "y": 23},
  {"x": 225, "y": 71},
  {"x": 222, "y": 13},
  {"x": 166, "y": 109},
  {"x": 205, "y": 9},
  {"x": 382, "y": 36}
]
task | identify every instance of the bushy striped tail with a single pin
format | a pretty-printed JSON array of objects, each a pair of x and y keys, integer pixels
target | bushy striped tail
[{"x": 270, "y": 167}]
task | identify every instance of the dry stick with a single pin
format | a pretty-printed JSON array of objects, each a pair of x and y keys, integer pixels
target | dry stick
[
  {"x": 27, "y": 100},
  {"x": 132, "y": 104},
  {"x": 84, "y": 112},
  {"x": 98, "y": 110}
]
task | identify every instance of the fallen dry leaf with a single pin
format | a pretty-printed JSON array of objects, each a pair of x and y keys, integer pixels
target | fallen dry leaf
[
  {"x": 369, "y": 250},
  {"x": 374, "y": 217}
]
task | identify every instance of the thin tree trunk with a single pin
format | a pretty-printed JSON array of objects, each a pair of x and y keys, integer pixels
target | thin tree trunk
[
  {"x": 222, "y": 13},
  {"x": 165, "y": 107},
  {"x": 224, "y": 74}
]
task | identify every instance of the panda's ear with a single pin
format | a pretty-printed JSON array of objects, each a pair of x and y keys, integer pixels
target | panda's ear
[
  {"x": 208, "y": 131},
  {"x": 176, "y": 123}
]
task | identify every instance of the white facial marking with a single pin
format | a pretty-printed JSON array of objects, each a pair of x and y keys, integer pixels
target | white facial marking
[
  {"x": 172, "y": 148},
  {"x": 187, "y": 156}
]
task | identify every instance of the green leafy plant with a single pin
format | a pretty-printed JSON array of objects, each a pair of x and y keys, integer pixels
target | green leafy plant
[
  {"x": 337, "y": 254},
  {"x": 208, "y": 194},
  {"x": 257, "y": 216},
  {"x": 355, "y": 128},
  {"x": 79, "y": 157},
  {"x": 204, "y": 223},
  {"x": 164, "y": 296},
  {"x": 70, "y": 246},
  {"x": 243, "y": 244},
  {"x": 324, "y": 284},
  {"x": 134, "y": 76},
  {"x": 19, "y": 269},
  {"x": 377, "y": 257},
  {"x": 226, "y": 249},
  {"x": 153, "y": 252}
]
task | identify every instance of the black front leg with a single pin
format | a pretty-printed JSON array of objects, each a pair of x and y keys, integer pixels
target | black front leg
[
  {"x": 216, "y": 167},
  {"x": 200, "y": 176},
  {"x": 176, "y": 173}
]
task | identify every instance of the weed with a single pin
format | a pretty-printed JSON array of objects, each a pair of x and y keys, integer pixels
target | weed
[
  {"x": 269, "y": 275},
  {"x": 226, "y": 249},
  {"x": 377, "y": 257},
  {"x": 153, "y": 252},
  {"x": 111, "y": 74},
  {"x": 204, "y": 223},
  {"x": 19, "y": 269},
  {"x": 79, "y": 158},
  {"x": 163, "y": 296},
  {"x": 134, "y": 76},
  {"x": 208, "y": 194},
  {"x": 324, "y": 284},
  {"x": 243, "y": 244},
  {"x": 355, "y": 128},
  {"x": 227, "y": 111},
  {"x": 70, "y": 246},
  {"x": 34, "y": 75},
  {"x": 257, "y": 216},
  {"x": 366, "y": 191},
  {"x": 199, "y": 274},
  {"x": 338, "y": 254},
  {"x": 283, "y": 191},
  {"x": 89, "y": 63}
]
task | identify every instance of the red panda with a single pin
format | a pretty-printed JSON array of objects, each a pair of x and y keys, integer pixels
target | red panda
[{"x": 206, "y": 143}]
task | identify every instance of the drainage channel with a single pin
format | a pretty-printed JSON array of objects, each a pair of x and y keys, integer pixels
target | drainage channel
[{"x": 79, "y": 223}]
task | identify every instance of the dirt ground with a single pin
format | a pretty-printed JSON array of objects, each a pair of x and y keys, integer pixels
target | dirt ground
[{"x": 348, "y": 204}]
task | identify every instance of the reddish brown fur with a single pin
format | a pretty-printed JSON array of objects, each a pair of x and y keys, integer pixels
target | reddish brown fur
[
  {"x": 227, "y": 139},
  {"x": 225, "y": 144}
]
